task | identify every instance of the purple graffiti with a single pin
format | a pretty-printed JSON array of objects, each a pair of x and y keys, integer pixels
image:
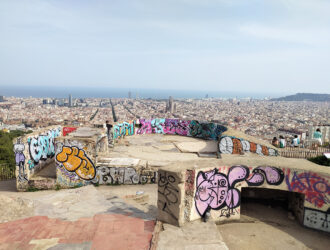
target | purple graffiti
[
  {"x": 216, "y": 190},
  {"x": 272, "y": 175},
  {"x": 176, "y": 127},
  {"x": 145, "y": 127},
  {"x": 20, "y": 160}
]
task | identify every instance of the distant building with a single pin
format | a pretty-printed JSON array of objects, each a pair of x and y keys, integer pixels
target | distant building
[
  {"x": 45, "y": 101},
  {"x": 170, "y": 105},
  {"x": 70, "y": 100},
  {"x": 2, "y": 99},
  {"x": 129, "y": 95}
]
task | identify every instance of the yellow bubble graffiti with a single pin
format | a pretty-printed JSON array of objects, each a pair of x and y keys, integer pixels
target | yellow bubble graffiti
[{"x": 75, "y": 160}]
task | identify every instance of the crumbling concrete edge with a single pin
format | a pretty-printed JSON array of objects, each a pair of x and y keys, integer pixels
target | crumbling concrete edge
[{"x": 155, "y": 235}]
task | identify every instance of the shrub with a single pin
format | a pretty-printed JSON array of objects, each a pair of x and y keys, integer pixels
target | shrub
[{"x": 320, "y": 160}]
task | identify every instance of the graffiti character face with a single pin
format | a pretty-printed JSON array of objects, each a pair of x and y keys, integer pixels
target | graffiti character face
[
  {"x": 216, "y": 190},
  {"x": 212, "y": 190},
  {"x": 19, "y": 148}
]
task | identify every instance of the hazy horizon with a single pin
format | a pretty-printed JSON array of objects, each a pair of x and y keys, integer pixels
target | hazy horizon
[
  {"x": 257, "y": 46},
  {"x": 108, "y": 92}
]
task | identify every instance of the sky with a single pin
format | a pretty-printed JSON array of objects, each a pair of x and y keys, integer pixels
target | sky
[{"x": 221, "y": 45}]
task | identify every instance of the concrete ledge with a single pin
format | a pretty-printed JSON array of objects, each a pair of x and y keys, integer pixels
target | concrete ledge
[{"x": 195, "y": 235}]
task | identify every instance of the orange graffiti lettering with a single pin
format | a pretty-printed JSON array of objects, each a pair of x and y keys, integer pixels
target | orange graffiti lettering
[{"x": 75, "y": 160}]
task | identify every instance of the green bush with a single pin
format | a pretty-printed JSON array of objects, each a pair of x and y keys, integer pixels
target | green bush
[
  {"x": 320, "y": 160},
  {"x": 7, "y": 155},
  {"x": 32, "y": 189}
]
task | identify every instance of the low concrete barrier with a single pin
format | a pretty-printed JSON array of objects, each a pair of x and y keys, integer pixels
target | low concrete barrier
[
  {"x": 33, "y": 152},
  {"x": 79, "y": 163}
]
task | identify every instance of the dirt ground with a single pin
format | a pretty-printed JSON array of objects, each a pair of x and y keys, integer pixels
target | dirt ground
[
  {"x": 265, "y": 227},
  {"x": 72, "y": 204},
  {"x": 260, "y": 227}
]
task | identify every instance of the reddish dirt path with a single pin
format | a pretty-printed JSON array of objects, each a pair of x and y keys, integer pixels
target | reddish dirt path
[{"x": 103, "y": 231}]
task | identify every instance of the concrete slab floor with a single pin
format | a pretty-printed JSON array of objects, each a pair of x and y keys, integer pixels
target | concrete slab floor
[{"x": 105, "y": 217}]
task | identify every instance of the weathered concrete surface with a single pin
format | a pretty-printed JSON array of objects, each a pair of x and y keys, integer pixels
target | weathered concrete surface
[
  {"x": 72, "y": 246},
  {"x": 197, "y": 147},
  {"x": 86, "y": 132},
  {"x": 119, "y": 162},
  {"x": 268, "y": 227},
  {"x": 193, "y": 236},
  {"x": 157, "y": 149},
  {"x": 71, "y": 204},
  {"x": 44, "y": 243},
  {"x": 239, "y": 134},
  {"x": 48, "y": 171},
  {"x": 106, "y": 217},
  {"x": 187, "y": 189},
  {"x": 13, "y": 208},
  {"x": 88, "y": 201},
  {"x": 32, "y": 156},
  {"x": 250, "y": 160}
]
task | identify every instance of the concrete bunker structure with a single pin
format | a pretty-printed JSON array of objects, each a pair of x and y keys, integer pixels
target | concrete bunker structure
[
  {"x": 187, "y": 191},
  {"x": 34, "y": 152}
]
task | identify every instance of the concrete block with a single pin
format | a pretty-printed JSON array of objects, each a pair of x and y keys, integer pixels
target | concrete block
[
  {"x": 33, "y": 152},
  {"x": 205, "y": 189}
]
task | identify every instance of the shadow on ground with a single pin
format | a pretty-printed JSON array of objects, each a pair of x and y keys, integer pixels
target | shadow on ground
[
  {"x": 8, "y": 186},
  {"x": 267, "y": 226}
]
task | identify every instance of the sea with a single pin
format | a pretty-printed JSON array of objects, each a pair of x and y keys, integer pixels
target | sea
[{"x": 108, "y": 92}]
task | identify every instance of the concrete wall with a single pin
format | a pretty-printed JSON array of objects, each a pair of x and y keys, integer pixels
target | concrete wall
[
  {"x": 79, "y": 163},
  {"x": 203, "y": 130},
  {"x": 124, "y": 171},
  {"x": 187, "y": 195},
  {"x": 75, "y": 159},
  {"x": 234, "y": 145},
  {"x": 33, "y": 152},
  {"x": 193, "y": 128}
]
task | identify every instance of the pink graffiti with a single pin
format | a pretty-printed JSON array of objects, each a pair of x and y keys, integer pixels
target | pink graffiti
[
  {"x": 216, "y": 190},
  {"x": 272, "y": 175},
  {"x": 145, "y": 127},
  {"x": 176, "y": 127}
]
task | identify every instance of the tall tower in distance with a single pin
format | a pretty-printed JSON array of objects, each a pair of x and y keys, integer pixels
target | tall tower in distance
[
  {"x": 170, "y": 104},
  {"x": 129, "y": 95},
  {"x": 70, "y": 100}
]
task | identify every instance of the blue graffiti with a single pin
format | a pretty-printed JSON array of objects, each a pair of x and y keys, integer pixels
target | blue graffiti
[
  {"x": 42, "y": 146},
  {"x": 158, "y": 125},
  {"x": 120, "y": 130}
]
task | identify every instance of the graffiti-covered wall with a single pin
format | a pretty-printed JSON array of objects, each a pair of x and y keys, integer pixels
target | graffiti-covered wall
[
  {"x": 121, "y": 130},
  {"x": 78, "y": 164},
  {"x": 204, "y": 130},
  {"x": 233, "y": 145},
  {"x": 33, "y": 152},
  {"x": 75, "y": 159},
  {"x": 192, "y": 128},
  {"x": 192, "y": 194}
]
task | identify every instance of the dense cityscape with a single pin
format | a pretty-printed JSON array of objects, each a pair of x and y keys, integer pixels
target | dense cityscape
[{"x": 261, "y": 118}]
